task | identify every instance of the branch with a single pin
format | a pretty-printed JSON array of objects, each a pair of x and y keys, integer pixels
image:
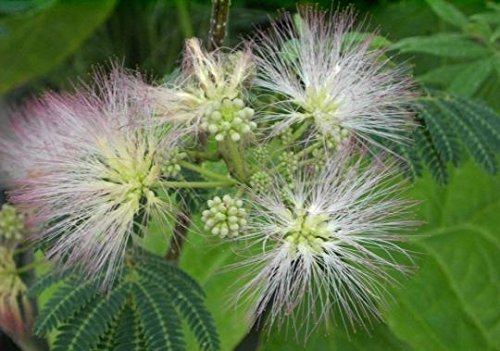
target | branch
[
  {"x": 182, "y": 222},
  {"x": 218, "y": 23}
]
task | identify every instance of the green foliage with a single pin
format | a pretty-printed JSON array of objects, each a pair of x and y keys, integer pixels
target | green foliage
[
  {"x": 208, "y": 262},
  {"x": 469, "y": 57},
  {"x": 448, "y": 12},
  {"x": 27, "y": 52},
  {"x": 142, "y": 311},
  {"x": 448, "y": 304},
  {"x": 448, "y": 126}
]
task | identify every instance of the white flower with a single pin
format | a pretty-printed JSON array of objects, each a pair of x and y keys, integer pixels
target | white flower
[
  {"x": 209, "y": 92},
  {"x": 324, "y": 77},
  {"x": 88, "y": 171},
  {"x": 327, "y": 245}
]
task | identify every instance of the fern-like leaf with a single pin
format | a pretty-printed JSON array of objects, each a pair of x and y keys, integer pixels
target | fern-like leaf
[
  {"x": 141, "y": 312},
  {"x": 170, "y": 272},
  {"x": 162, "y": 326},
  {"x": 189, "y": 303},
  {"x": 47, "y": 280},
  {"x": 65, "y": 303},
  {"x": 129, "y": 333},
  {"x": 83, "y": 332},
  {"x": 473, "y": 137},
  {"x": 431, "y": 156},
  {"x": 449, "y": 126},
  {"x": 445, "y": 140}
]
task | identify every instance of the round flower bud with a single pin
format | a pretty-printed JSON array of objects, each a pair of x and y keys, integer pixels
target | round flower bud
[
  {"x": 260, "y": 181},
  {"x": 229, "y": 119},
  {"x": 224, "y": 217},
  {"x": 171, "y": 168},
  {"x": 11, "y": 223}
]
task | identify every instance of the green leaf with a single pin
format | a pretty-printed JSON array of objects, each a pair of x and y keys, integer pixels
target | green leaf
[
  {"x": 188, "y": 301},
  {"x": 376, "y": 41},
  {"x": 66, "y": 302},
  {"x": 431, "y": 156},
  {"x": 473, "y": 136},
  {"x": 447, "y": 12},
  {"x": 444, "y": 45},
  {"x": 84, "y": 330},
  {"x": 378, "y": 339},
  {"x": 443, "y": 75},
  {"x": 162, "y": 325},
  {"x": 445, "y": 141},
  {"x": 33, "y": 43},
  {"x": 129, "y": 331},
  {"x": 467, "y": 81},
  {"x": 205, "y": 260},
  {"x": 450, "y": 303}
]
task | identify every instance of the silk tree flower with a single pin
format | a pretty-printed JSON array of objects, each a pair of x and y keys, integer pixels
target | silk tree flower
[
  {"x": 325, "y": 77},
  {"x": 327, "y": 246},
  {"x": 208, "y": 93},
  {"x": 87, "y": 167}
]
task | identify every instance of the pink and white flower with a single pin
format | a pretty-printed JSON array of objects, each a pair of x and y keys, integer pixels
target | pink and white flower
[
  {"x": 327, "y": 244},
  {"x": 322, "y": 76},
  {"x": 87, "y": 167}
]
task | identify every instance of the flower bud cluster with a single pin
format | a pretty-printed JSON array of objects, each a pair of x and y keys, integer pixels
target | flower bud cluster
[
  {"x": 287, "y": 137},
  {"x": 171, "y": 168},
  {"x": 288, "y": 165},
  {"x": 261, "y": 154},
  {"x": 229, "y": 118},
  {"x": 225, "y": 217},
  {"x": 11, "y": 223},
  {"x": 260, "y": 181}
]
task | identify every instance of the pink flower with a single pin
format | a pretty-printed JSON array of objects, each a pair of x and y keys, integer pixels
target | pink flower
[{"x": 87, "y": 166}]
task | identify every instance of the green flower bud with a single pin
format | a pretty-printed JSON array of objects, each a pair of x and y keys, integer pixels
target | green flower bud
[
  {"x": 11, "y": 223},
  {"x": 229, "y": 119},
  {"x": 171, "y": 168},
  {"x": 225, "y": 217},
  {"x": 260, "y": 181}
]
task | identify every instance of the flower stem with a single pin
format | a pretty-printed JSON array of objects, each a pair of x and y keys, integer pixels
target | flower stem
[
  {"x": 206, "y": 172},
  {"x": 302, "y": 129},
  {"x": 234, "y": 159},
  {"x": 204, "y": 155},
  {"x": 186, "y": 184}
]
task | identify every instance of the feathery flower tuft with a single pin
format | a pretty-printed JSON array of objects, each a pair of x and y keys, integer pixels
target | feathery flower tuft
[
  {"x": 324, "y": 77},
  {"x": 88, "y": 170},
  {"x": 208, "y": 93},
  {"x": 327, "y": 244}
]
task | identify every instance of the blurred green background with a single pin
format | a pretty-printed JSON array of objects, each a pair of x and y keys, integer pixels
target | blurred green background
[{"x": 452, "y": 303}]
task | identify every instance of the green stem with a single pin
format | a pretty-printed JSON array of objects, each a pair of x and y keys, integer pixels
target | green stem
[
  {"x": 206, "y": 172},
  {"x": 308, "y": 149},
  {"x": 23, "y": 269},
  {"x": 302, "y": 129},
  {"x": 186, "y": 184},
  {"x": 204, "y": 155},
  {"x": 234, "y": 158}
]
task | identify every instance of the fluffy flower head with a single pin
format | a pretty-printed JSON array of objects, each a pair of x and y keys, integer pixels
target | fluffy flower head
[
  {"x": 327, "y": 242},
  {"x": 88, "y": 171},
  {"x": 208, "y": 92},
  {"x": 325, "y": 77}
]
